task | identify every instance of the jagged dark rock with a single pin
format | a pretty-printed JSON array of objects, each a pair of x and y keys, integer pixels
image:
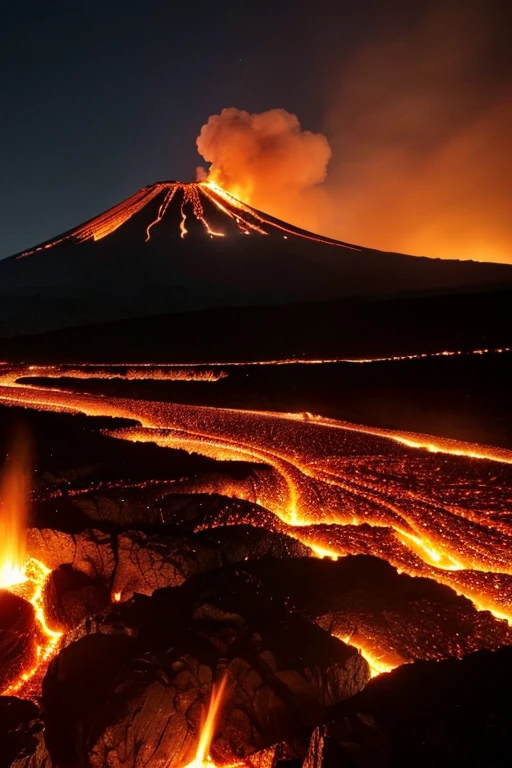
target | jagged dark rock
[
  {"x": 129, "y": 687},
  {"x": 279, "y": 755},
  {"x": 90, "y": 551},
  {"x": 240, "y": 543},
  {"x": 198, "y": 511},
  {"x": 363, "y": 597},
  {"x": 447, "y": 714},
  {"x": 39, "y": 756},
  {"x": 354, "y": 742},
  {"x": 154, "y": 505},
  {"x": 146, "y": 563},
  {"x": 123, "y": 507},
  {"x": 70, "y": 596},
  {"x": 19, "y": 728}
]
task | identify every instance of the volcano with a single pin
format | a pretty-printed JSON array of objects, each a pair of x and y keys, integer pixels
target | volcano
[{"x": 175, "y": 247}]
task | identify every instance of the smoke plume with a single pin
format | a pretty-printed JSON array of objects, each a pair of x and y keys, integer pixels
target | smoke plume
[
  {"x": 419, "y": 124},
  {"x": 265, "y": 159}
]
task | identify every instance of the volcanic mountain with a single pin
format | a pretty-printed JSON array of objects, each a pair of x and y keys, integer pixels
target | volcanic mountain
[{"x": 174, "y": 247}]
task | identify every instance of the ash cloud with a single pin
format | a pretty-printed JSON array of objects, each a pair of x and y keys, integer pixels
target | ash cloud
[{"x": 419, "y": 123}]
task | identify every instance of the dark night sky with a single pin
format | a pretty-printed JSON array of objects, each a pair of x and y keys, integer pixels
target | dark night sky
[{"x": 101, "y": 98}]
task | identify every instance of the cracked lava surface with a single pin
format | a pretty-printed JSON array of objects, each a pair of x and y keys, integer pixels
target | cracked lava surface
[{"x": 431, "y": 507}]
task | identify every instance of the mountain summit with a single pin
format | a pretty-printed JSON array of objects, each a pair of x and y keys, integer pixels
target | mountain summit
[{"x": 175, "y": 247}]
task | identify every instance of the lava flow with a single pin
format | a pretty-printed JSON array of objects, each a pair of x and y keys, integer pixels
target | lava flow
[
  {"x": 432, "y": 507},
  {"x": 24, "y": 577},
  {"x": 193, "y": 201}
]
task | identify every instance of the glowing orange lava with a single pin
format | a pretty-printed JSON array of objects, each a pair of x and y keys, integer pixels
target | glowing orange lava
[
  {"x": 192, "y": 199},
  {"x": 130, "y": 372},
  {"x": 13, "y": 515},
  {"x": 203, "y": 758},
  {"x": 31, "y": 588},
  {"x": 376, "y": 662},
  {"x": 106, "y": 223},
  {"x": 338, "y": 487},
  {"x": 23, "y": 577},
  {"x": 248, "y": 219},
  {"x": 171, "y": 370}
]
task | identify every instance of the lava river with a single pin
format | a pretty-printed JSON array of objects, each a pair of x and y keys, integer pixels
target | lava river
[{"x": 430, "y": 506}]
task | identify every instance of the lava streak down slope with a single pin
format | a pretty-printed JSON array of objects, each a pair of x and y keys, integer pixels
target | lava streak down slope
[{"x": 174, "y": 246}]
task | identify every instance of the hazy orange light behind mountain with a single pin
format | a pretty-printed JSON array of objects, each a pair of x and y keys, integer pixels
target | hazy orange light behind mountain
[{"x": 416, "y": 153}]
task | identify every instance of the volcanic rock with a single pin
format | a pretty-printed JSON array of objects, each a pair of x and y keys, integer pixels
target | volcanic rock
[
  {"x": 364, "y": 598},
  {"x": 279, "y": 755},
  {"x": 18, "y": 637},
  {"x": 348, "y": 741},
  {"x": 148, "y": 562},
  {"x": 244, "y": 542},
  {"x": 444, "y": 714},
  {"x": 153, "y": 505},
  {"x": 70, "y": 596},
  {"x": 19, "y": 726},
  {"x": 89, "y": 551},
  {"x": 197, "y": 511},
  {"x": 126, "y": 507},
  {"x": 38, "y": 758},
  {"x": 75, "y": 688},
  {"x": 129, "y": 691}
]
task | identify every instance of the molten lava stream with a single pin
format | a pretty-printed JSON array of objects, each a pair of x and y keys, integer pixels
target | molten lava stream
[
  {"x": 378, "y": 661},
  {"x": 30, "y": 588},
  {"x": 453, "y": 544},
  {"x": 23, "y": 577}
]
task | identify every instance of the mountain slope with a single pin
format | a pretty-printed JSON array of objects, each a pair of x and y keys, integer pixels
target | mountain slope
[
  {"x": 179, "y": 247},
  {"x": 352, "y": 328}
]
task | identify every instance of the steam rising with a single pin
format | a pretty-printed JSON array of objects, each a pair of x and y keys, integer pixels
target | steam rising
[{"x": 420, "y": 130}]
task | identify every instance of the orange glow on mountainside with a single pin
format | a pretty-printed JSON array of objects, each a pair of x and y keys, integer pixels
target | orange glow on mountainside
[
  {"x": 218, "y": 194},
  {"x": 192, "y": 200},
  {"x": 381, "y": 179}
]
